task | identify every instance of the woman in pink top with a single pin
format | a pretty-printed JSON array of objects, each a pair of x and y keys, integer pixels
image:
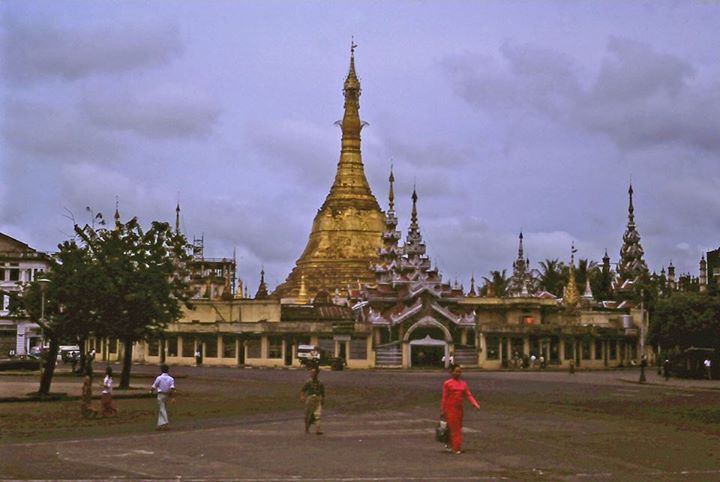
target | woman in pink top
[{"x": 454, "y": 390}]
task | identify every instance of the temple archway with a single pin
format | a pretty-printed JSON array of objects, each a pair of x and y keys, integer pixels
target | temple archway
[{"x": 428, "y": 344}]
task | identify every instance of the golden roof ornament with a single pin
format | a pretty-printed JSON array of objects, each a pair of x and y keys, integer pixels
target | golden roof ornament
[
  {"x": 571, "y": 297},
  {"x": 347, "y": 230}
]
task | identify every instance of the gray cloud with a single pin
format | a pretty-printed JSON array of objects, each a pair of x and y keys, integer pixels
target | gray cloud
[
  {"x": 36, "y": 52},
  {"x": 55, "y": 133},
  {"x": 160, "y": 113},
  {"x": 640, "y": 97}
]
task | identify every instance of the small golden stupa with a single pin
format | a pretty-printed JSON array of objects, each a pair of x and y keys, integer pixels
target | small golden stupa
[{"x": 347, "y": 230}]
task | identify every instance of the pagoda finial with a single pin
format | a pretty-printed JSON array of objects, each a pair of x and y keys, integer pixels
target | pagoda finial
[
  {"x": 413, "y": 217},
  {"x": 520, "y": 247},
  {"x": 177, "y": 218},
  {"x": 631, "y": 208},
  {"x": 391, "y": 195},
  {"x": 262, "y": 292},
  {"x": 117, "y": 213}
]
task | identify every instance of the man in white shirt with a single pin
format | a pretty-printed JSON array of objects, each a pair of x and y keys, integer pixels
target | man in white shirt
[
  {"x": 708, "y": 368},
  {"x": 164, "y": 385}
]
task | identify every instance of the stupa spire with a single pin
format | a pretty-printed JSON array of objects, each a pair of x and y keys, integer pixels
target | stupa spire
[
  {"x": 632, "y": 265},
  {"x": 347, "y": 230}
]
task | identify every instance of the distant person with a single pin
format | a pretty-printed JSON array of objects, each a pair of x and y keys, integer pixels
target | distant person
[
  {"x": 666, "y": 369},
  {"x": 198, "y": 358},
  {"x": 86, "y": 409},
  {"x": 532, "y": 360},
  {"x": 313, "y": 394},
  {"x": 108, "y": 409},
  {"x": 74, "y": 361},
  {"x": 164, "y": 385},
  {"x": 542, "y": 361},
  {"x": 708, "y": 368},
  {"x": 451, "y": 405}
]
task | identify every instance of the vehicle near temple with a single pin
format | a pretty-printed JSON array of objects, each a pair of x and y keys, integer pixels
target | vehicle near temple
[{"x": 314, "y": 356}]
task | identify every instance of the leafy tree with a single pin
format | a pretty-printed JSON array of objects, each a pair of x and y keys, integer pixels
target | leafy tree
[
  {"x": 585, "y": 268},
  {"x": 141, "y": 281},
  {"x": 70, "y": 303},
  {"x": 686, "y": 319},
  {"x": 552, "y": 278}
]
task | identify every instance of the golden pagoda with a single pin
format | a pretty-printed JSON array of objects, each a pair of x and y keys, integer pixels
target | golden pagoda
[{"x": 347, "y": 230}]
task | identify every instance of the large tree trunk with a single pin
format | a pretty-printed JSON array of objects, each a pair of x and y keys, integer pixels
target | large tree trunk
[
  {"x": 126, "y": 364},
  {"x": 83, "y": 356},
  {"x": 48, "y": 367}
]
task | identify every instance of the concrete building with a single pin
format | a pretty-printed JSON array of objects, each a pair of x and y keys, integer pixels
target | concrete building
[{"x": 19, "y": 263}]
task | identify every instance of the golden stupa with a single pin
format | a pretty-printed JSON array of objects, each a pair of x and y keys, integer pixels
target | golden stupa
[{"x": 347, "y": 230}]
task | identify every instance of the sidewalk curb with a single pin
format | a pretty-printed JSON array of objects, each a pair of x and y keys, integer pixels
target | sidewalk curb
[{"x": 672, "y": 387}]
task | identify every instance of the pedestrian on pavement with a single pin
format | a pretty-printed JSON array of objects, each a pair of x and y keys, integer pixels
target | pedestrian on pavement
[
  {"x": 86, "y": 409},
  {"x": 666, "y": 369},
  {"x": 708, "y": 368},
  {"x": 451, "y": 405},
  {"x": 532, "y": 361},
  {"x": 313, "y": 394},
  {"x": 108, "y": 409},
  {"x": 198, "y": 358},
  {"x": 164, "y": 385}
]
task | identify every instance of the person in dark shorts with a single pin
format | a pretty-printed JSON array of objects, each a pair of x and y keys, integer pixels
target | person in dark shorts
[{"x": 313, "y": 394}]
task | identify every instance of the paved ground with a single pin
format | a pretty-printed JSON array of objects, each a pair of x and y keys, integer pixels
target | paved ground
[{"x": 532, "y": 426}]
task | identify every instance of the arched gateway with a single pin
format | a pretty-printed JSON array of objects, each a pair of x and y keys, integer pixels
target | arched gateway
[{"x": 428, "y": 343}]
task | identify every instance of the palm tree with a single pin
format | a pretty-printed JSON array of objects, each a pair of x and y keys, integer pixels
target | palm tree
[
  {"x": 552, "y": 278},
  {"x": 498, "y": 280},
  {"x": 584, "y": 269}
]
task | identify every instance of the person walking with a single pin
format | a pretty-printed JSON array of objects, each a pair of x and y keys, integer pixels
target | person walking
[
  {"x": 451, "y": 405},
  {"x": 164, "y": 385},
  {"x": 108, "y": 409},
  {"x": 708, "y": 368},
  {"x": 666, "y": 369},
  {"x": 313, "y": 394},
  {"x": 86, "y": 409}
]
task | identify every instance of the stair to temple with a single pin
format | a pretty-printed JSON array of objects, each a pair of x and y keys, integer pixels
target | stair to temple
[{"x": 389, "y": 355}]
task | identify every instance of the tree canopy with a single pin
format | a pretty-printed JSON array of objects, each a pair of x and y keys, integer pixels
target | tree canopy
[{"x": 686, "y": 319}]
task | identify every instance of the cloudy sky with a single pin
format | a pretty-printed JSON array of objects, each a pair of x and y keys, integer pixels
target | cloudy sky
[{"x": 507, "y": 116}]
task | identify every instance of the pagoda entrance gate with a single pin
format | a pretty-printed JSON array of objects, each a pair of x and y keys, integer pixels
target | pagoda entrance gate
[{"x": 427, "y": 344}]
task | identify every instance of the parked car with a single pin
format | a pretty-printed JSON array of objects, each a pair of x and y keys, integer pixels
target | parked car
[
  {"x": 67, "y": 352},
  {"x": 311, "y": 355}
]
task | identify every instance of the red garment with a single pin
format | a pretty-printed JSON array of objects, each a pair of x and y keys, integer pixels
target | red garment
[{"x": 452, "y": 408}]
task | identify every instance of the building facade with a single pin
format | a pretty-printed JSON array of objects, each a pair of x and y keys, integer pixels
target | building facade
[{"x": 19, "y": 263}]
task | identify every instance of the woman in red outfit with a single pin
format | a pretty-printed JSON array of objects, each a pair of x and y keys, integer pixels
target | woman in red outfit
[{"x": 452, "y": 405}]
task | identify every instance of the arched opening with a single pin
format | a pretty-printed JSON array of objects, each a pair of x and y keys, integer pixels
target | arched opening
[{"x": 428, "y": 348}]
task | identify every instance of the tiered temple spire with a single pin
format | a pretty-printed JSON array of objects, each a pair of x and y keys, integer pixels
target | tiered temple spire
[
  {"x": 632, "y": 265},
  {"x": 390, "y": 252},
  {"x": 262, "y": 291},
  {"x": 571, "y": 296},
  {"x": 522, "y": 281}
]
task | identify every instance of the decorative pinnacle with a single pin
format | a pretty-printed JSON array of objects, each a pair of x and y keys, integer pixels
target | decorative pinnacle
[
  {"x": 391, "y": 195},
  {"x": 177, "y": 217},
  {"x": 520, "y": 247},
  {"x": 413, "y": 218},
  {"x": 117, "y": 212},
  {"x": 631, "y": 209}
]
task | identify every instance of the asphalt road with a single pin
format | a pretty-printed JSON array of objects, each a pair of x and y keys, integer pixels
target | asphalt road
[{"x": 531, "y": 426}]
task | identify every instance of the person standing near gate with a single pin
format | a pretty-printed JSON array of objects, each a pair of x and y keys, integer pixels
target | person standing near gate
[
  {"x": 313, "y": 394},
  {"x": 451, "y": 406},
  {"x": 164, "y": 385}
]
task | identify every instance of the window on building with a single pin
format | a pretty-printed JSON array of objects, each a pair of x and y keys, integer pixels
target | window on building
[
  {"x": 228, "y": 346},
  {"x": 493, "y": 347},
  {"x": 14, "y": 274},
  {"x": 358, "y": 349},
  {"x": 622, "y": 350},
  {"x": 188, "y": 346},
  {"x": 470, "y": 337},
  {"x": 598, "y": 349},
  {"x": 586, "y": 348},
  {"x": 274, "y": 347},
  {"x": 327, "y": 345},
  {"x": 172, "y": 346},
  {"x": 211, "y": 346},
  {"x": 154, "y": 348},
  {"x": 569, "y": 350},
  {"x": 254, "y": 348}
]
